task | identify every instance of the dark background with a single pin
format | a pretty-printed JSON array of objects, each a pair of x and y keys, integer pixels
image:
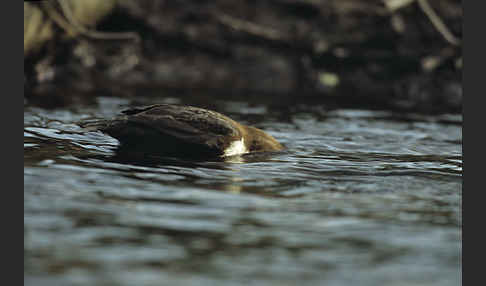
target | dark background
[{"x": 361, "y": 54}]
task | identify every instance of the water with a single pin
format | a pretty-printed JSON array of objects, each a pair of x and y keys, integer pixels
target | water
[{"x": 358, "y": 198}]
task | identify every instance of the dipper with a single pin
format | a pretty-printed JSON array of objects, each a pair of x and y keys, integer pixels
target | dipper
[{"x": 187, "y": 131}]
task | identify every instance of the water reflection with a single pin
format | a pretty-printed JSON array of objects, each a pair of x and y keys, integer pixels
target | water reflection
[{"x": 364, "y": 192}]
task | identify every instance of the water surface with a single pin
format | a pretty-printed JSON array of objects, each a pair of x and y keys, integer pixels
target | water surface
[{"x": 358, "y": 198}]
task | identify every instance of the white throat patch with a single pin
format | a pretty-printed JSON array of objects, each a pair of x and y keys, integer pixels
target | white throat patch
[{"x": 236, "y": 148}]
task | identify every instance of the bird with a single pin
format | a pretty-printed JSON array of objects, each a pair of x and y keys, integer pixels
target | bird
[{"x": 185, "y": 131}]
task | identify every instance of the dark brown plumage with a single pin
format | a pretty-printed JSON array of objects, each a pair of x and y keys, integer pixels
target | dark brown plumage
[{"x": 179, "y": 130}]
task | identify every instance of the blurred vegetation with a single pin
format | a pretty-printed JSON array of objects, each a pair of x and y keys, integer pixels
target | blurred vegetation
[
  {"x": 37, "y": 28},
  {"x": 393, "y": 54}
]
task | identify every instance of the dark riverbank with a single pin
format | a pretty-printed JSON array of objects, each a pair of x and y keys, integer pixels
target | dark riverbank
[{"x": 360, "y": 54}]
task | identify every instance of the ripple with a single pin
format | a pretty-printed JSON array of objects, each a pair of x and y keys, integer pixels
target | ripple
[{"x": 372, "y": 193}]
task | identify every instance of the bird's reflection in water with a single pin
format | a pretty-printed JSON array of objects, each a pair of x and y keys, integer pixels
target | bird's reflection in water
[{"x": 225, "y": 174}]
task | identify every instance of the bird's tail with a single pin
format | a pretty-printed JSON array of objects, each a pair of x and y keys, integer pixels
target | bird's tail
[{"x": 94, "y": 125}]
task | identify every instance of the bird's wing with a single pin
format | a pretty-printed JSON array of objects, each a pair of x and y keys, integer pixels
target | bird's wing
[{"x": 186, "y": 123}]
